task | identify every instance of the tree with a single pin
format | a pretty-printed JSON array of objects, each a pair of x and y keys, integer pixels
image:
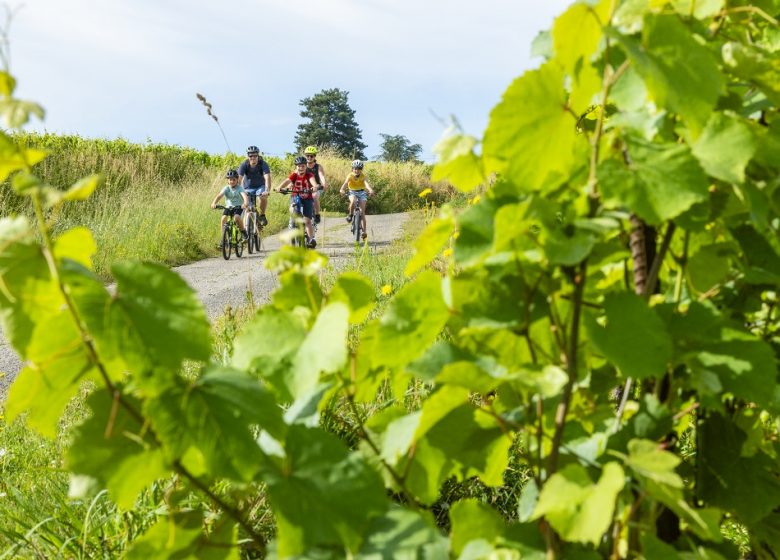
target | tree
[
  {"x": 331, "y": 124},
  {"x": 398, "y": 148}
]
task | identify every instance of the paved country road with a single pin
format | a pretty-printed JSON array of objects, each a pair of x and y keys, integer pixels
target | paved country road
[{"x": 220, "y": 283}]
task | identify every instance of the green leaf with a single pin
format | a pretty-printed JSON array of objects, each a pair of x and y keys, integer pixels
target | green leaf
[
  {"x": 661, "y": 182},
  {"x": 458, "y": 163},
  {"x": 475, "y": 233},
  {"x": 157, "y": 317},
  {"x": 752, "y": 63},
  {"x": 83, "y": 189},
  {"x": 323, "y": 351},
  {"x": 431, "y": 241},
  {"x": 313, "y": 489},
  {"x": 411, "y": 322},
  {"x": 655, "y": 549},
  {"x": 213, "y": 416},
  {"x": 357, "y": 291},
  {"x": 710, "y": 265},
  {"x": 649, "y": 460},
  {"x": 745, "y": 485},
  {"x": 725, "y": 147},
  {"x": 76, "y": 244},
  {"x": 700, "y": 9},
  {"x": 7, "y": 84},
  {"x": 473, "y": 520},
  {"x": 182, "y": 535},
  {"x": 680, "y": 73},
  {"x": 584, "y": 22},
  {"x": 115, "y": 448},
  {"x": 401, "y": 534},
  {"x": 704, "y": 522},
  {"x": 58, "y": 365},
  {"x": 578, "y": 509},
  {"x": 531, "y": 136},
  {"x": 634, "y": 339},
  {"x": 761, "y": 257}
]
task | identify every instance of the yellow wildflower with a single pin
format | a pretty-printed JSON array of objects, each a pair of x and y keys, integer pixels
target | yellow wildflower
[
  {"x": 476, "y": 199},
  {"x": 447, "y": 252},
  {"x": 424, "y": 193},
  {"x": 387, "y": 289}
]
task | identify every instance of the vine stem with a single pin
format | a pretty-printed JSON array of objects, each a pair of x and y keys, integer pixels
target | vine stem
[{"x": 116, "y": 394}]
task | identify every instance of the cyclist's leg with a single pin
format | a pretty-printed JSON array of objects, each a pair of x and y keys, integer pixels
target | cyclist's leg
[
  {"x": 351, "y": 206},
  {"x": 316, "y": 195},
  {"x": 363, "y": 215},
  {"x": 308, "y": 214},
  {"x": 263, "y": 194}
]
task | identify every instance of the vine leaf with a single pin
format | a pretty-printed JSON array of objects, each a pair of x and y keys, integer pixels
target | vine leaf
[
  {"x": 156, "y": 316},
  {"x": 181, "y": 535},
  {"x": 531, "y": 137},
  {"x": 634, "y": 339},
  {"x": 473, "y": 520},
  {"x": 401, "y": 533},
  {"x": 212, "y": 418},
  {"x": 431, "y": 241},
  {"x": 578, "y": 509},
  {"x": 725, "y": 147},
  {"x": 323, "y": 351},
  {"x": 746, "y": 485},
  {"x": 680, "y": 73},
  {"x": 114, "y": 448},
  {"x": 313, "y": 488},
  {"x": 457, "y": 162},
  {"x": 357, "y": 291},
  {"x": 662, "y": 181}
]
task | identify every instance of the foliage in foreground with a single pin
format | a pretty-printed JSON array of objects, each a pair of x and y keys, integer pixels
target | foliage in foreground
[{"x": 646, "y": 117}]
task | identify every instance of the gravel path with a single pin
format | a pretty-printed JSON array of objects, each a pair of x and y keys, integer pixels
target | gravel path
[{"x": 220, "y": 283}]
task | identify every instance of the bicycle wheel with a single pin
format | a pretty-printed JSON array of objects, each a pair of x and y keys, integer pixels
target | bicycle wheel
[
  {"x": 356, "y": 221},
  {"x": 226, "y": 241},
  {"x": 250, "y": 229},
  {"x": 258, "y": 237},
  {"x": 239, "y": 243}
]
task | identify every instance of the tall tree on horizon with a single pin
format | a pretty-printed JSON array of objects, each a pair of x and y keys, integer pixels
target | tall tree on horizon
[
  {"x": 331, "y": 124},
  {"x": 397, "y": 147}
]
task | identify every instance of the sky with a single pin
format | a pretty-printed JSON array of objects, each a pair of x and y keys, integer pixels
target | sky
[{"x": 131, "y": 68}]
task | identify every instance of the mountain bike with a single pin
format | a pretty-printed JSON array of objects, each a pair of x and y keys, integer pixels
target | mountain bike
[
  {"x": 254, "y": 228},
  {"x": 357, "y": 222},
  {"x": 231, "y": 236},
  {"x": 297, "y": 222}
]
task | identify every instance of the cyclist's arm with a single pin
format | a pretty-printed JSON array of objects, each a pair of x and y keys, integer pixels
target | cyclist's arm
[
  {"x": 313, "y": 183},
  {"x": 343, "y": 188},
  {"x": 323, "y": 181},
  {"x": 246, "y": 199},
  {"x": 267, "y": 179},
  {"x": 284, "y": 184},
  {"x": 220, "y": 194},
  {"x": 369, "y": 189}
]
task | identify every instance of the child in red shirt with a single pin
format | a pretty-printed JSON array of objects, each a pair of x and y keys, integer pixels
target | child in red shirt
[{"x": 303, "y": 185}]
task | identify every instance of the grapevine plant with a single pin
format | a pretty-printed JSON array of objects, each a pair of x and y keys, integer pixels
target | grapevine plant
[{"x": 604, "y": 318}]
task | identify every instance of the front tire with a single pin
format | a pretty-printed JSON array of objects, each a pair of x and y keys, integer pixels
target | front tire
[
  {"x": 250, "y": 229},
  {"x": 226, "y": 242},
  {"x": 239, "y": 245},
  {"x": 356, "y": 224}
]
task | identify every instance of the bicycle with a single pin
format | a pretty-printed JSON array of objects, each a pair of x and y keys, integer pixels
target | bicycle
[
  {"x": 301, "y": 239},
  {"x": 357, "y": 222},
  {"x": 254, "y": 229},
  {"x": 231, "y": 236}
]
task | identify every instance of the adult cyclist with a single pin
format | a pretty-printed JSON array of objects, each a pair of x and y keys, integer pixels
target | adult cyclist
[
  {"x": 255, "y": 176},
  {"x": 318, "y": 171}
]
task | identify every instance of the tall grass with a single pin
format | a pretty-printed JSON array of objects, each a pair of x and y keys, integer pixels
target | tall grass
[{"x": 155, "y": 201}]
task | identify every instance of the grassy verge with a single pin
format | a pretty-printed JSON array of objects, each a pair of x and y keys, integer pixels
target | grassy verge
[{"x": 155, "y": 202}]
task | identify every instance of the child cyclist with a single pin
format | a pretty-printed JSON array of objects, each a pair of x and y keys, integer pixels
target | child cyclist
[
  {"x": 303, "y": 185},
  {"x": 319, "y": 177},
  {"x": 359, "y": 190},
  {"x": 235, "y": 201}
]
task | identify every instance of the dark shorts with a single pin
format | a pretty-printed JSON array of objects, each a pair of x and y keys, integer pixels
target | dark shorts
[
  {"x": 308, "y": 207},
  {"x": 234, "y": 211}
]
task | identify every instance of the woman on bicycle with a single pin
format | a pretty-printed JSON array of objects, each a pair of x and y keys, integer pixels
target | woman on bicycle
[
  {"x": 255, "y": 177},
  {"x": 318, "y": 171},
  {"x": 303, "y": 185},
  {"x": 235, "y": 201},
  {"x": 359, "y": 190}
]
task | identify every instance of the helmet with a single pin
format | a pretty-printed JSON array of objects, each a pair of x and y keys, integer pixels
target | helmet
[
  {"x": 231, "y": 174},
  {"x": 300, "y": 160},
  {"x": 251, "y": 150},
  {"x": 310, "y": 150},
  {"x": 357, "y": 164}
]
